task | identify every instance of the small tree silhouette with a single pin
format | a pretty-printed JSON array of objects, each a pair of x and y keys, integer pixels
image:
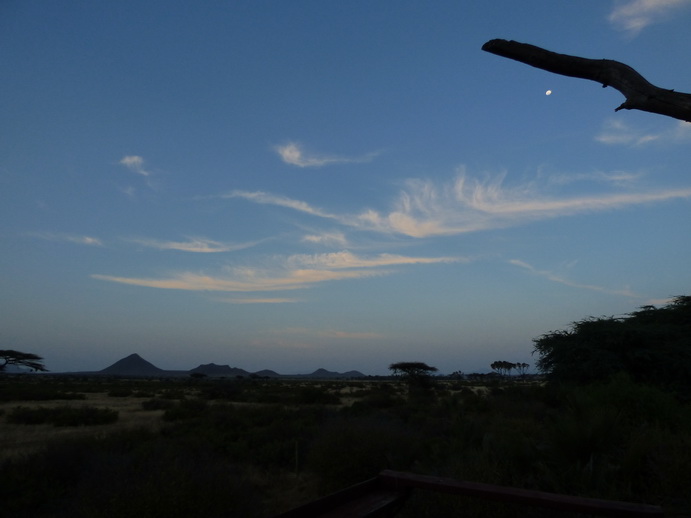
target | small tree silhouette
[
  {"x": 416, "y": 374},
  {"x": 11, "y": 357}
]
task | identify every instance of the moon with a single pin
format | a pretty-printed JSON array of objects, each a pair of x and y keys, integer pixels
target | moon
[{"x": 548, "y": 92}]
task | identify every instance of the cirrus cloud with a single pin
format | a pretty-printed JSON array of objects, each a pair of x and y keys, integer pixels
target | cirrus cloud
[
  {"x": 195, "y": 245},
  {"x": 135, "y": 164},
  {"x": 293, "y": 273},
  {"x": 635, "y": 15},
  {"x": 293, "y": 154}
]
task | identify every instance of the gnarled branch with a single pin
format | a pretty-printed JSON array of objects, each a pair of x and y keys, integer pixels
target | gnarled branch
[{"x": 639, "y": 93}]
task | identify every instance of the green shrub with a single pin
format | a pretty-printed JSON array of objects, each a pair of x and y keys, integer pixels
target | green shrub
[
  {"x": 120, "y": 392},
  {"x": 135, "y": 473},
  {"x": 311, "y": 395},
  {"x": 25, "y": 415},
  {"x": 158, "y": 404},
  {"x": 347, "y": 451},
  {"x": 63, "y": 416},
  {"x": 186, "y": 409}
]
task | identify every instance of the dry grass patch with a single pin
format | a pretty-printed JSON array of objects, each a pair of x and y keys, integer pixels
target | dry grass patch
[{"x": 21, "y": 439}]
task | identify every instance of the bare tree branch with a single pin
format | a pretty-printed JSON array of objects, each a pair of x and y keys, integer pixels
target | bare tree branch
[{"x": 639, "y": 93}]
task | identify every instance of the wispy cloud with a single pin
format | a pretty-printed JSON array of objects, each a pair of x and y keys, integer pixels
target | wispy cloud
[
  {"x": 425, "y": 208},
  {"x": 281, "y": 201},
  {"x": 551, "y": 276},
  {"x": 195, "y": 245},
  {"x": 327, "y": 238},
  {"x": 346, "y": 259},
  {"x": 68, "y": 238},
  {"x": 293, "y": 154},
  {"x": 243, "y": 281},
  {"x": 681, "y": 131},
  {"x": 616, "y": 132},
  {"x": 633, "y": 16},
  {"x": 615, "y": 178},
  {"x": 293, "y": 272},
  {"x": 329, "y": 333},
  {"x": 468, "y": 205},
  {"x": 256, "y": 300},
  {"x": 135, "y": 164}
]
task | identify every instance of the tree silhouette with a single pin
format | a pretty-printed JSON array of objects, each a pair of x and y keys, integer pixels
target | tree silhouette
[
  {"x": 503, "y": 368},
  {"x": 415, "y": 373},
  {"x": 639, "y": 93},
  {"x": 652, "y": 345},
  {"x": 11, "y": 357}
]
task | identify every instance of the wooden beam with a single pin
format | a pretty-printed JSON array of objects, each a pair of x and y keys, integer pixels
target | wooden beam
[
  {"x": 639, "y": 93},
  {"x": 401, "y": 480},
  {"x": 368, "y": 499}
]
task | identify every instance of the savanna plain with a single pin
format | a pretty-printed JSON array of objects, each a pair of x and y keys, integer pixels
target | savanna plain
[{"x": 251, "y": 447}]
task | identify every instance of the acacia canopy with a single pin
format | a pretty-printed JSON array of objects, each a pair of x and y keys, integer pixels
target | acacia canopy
[
  {"x": 412, "y": 369},
  {"x": 20, "y": 359}
]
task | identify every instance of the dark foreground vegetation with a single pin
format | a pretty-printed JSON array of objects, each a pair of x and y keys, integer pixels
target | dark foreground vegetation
[{"x": 255, "y": 448}]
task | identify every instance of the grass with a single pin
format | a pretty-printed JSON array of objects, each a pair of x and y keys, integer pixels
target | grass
[{"x": 259, "y": 447}]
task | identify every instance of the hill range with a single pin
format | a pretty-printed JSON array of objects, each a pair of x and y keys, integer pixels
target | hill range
[{"x": 135, "y": 365}]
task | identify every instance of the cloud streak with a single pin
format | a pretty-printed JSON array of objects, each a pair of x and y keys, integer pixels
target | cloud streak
[
  {"x": 551, "y": 276},
  {"x": 615, "y": 132},
  {"x": 346, "y": 259},
  {"x": 330, "y": 333},
  {"x": 69, "y": 238},
  {"x": 135, "y": 164},
  {"x": 426, "y": 209},
  {"x": 635, "y": 15},
  {"x": 280, "y": 201},
  {"x": 257, "y": 300},
  {"x": 295, "y": 272},
  {"x": 194, "y": 245},
  {"x": 293, "y": 154}
]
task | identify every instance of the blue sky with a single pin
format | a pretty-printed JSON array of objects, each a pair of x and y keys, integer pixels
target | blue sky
[{"x": 305, "y": 184}]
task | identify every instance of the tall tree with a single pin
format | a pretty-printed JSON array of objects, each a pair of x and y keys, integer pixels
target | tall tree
[
  {"x": 653, "y": 345},
  {"x": 20, "y": 359},
  {"x": 639, "y": 93}
]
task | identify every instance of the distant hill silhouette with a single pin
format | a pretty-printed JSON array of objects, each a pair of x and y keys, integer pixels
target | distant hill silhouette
[
  {"x": 213, "y": 370},
  {"x": 133, "y": 365},
  {"x": 267, "y": 373},
  {"x": 324, "y": 374}
]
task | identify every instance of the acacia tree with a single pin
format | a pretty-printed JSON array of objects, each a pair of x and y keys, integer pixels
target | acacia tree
[
  {"x": 11, "y": 357},
  {"x": 503, "y": 368},
  {"x": 639, "y": 93},
  {"x": 522, "y": 368},
  {"x": 415, "y": 373}
]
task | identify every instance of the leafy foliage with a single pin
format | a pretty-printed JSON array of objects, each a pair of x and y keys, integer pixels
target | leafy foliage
[
  {"x": 652, "y": 345},
  {"x": 63, "y": 416},
  {"x": 20, "y": 359}
]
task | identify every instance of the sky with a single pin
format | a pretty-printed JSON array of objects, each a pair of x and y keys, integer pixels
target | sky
[{"x": 321, "y": 184}]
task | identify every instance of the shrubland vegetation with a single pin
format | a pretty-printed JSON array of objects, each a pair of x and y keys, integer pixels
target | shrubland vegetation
[{"x": 253, "y": 447}]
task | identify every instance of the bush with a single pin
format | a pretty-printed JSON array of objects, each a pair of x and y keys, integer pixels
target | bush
[
  {"x": 158, "y": 404},
  {"x": 120, "y": 392},
  {"x": 63, "y": 416},
  {"x": 136, "y": 473},
  {"x": 186, "y": 409},
  {"x": 352, "y": 450},
  {"x": 316, "y": 396}
]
